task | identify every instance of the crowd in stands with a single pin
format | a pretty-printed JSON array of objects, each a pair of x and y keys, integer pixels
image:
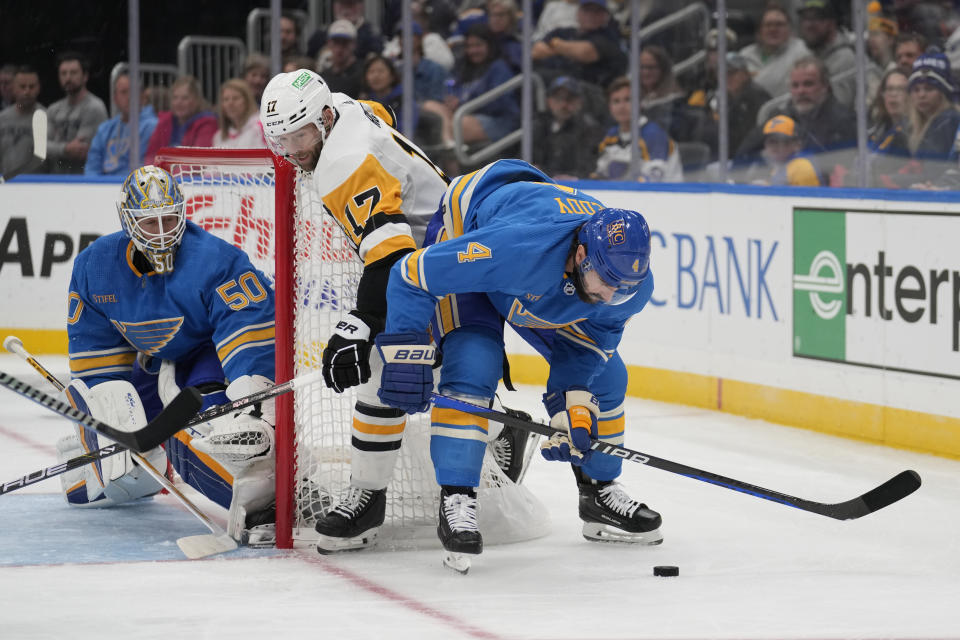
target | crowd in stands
[{"x": 790, "y": 85}]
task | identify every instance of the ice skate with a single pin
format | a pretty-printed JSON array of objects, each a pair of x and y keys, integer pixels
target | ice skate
[
  {"x": 458, "y": 531},
  {"x": 354, "y": 522},
  {"x": 609, "y": 514},
  {"x": 512, "y": 448}
]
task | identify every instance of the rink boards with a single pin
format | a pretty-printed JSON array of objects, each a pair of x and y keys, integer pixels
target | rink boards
[{"x": 839, "y": 314}]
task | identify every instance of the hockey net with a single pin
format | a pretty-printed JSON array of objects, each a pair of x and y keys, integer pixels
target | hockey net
[{"x": 261, "y": 204}]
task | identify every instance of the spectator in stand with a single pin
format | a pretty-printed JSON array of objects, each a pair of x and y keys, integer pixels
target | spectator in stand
[
  {"x": 16, "y": 123},
  {"x": 744, "y": 99},
  {"x": 557, "y": 14},
  {"x": 565, "y": 136},
  {"x": 381, "y": 83},
  {"x": 823, "y": 124},
  {"x": 239, "y": 118},
  {"x": 881, "y": 34},
  {"x": 299, "y": 62},
  {"x": 429, "y": 77},
  {"x": 481, "y": 69},
  {"x": 6, "y": 85},
  {"x": 933, "y": 118},
  {"x": 290, "y": 33},
  {"x": 906, "y": 49},
  {"x": 502, "y": 18},
  {"x": 659, "y": 158},
  {"x": 189, "y": 123},
  {"x": 771, "y": 57},
  {"x": 592, "y": 52},
  {"x": 72, "y": 121},
  {"x": 784, "y": 162},
  {"x": 887, "y": 137},
  {"x": 343, "y": 71},
  {"x": 431, "y": 45},
  {"x": 821, "y": 34},
  {"x": 368, "y": 39},
  {"x": 661, "y": 98},
  {"x": 256, "y": 73},
  {"x": 110, "y": 150}
]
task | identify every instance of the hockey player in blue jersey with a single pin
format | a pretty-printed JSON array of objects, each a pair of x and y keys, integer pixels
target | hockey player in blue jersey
[
  {"x": 567, "y": 274},
  {"x": 155, "y": 307}
]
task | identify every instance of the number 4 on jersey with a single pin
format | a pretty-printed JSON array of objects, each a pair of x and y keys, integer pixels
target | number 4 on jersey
[{"x": 475, "y": 251}]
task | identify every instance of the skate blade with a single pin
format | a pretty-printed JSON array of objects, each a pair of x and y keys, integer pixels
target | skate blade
[
  {"x": 328, "y": 544},
  {"x": 596, "y": 532},
  {"x": 459, "y": 562}
]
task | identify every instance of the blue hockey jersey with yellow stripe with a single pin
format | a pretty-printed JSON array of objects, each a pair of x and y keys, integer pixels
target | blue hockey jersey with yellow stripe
[
  {"x": 214, "y": 295},
  {"x": 509, "y": 230}
]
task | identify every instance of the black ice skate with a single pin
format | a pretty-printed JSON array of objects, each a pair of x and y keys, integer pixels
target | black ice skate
[
  {"x": 610, "y": 515},
  {"x": 511, "y": 448},
  {"x": 354, "y": 522},
  {"x": 260, "y": 529},
  {"x": 458, "y": 530}
]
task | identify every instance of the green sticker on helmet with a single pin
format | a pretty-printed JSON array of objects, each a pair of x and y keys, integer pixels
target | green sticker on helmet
[{"x": 302, "y": 80}]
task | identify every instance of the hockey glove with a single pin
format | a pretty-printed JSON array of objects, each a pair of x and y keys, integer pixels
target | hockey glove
[
  {"x": 346, "y": 360},
  {"x": 574, "y": 413},
  {"x": 407, "y": 380}
]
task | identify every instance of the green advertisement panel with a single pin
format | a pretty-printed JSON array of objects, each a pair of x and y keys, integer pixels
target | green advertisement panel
[{"x": 819, "y": 303}]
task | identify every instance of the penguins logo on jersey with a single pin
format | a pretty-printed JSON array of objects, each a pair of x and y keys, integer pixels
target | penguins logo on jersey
[{"x": 150, "y": 336}]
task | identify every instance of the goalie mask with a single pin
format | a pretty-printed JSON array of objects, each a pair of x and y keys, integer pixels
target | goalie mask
[
  {"x": 151, "y": 209},
  {"x": 291, "y": 103},
  {"x": 617, "y": 243}
]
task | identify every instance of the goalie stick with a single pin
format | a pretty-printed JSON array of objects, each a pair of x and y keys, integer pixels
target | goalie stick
[
  {"x": 209, "y": 414},
  {"x": 194, "y": 547},
  {"x": 894, "y": 489},
  {"x": 169, "y": 421}
]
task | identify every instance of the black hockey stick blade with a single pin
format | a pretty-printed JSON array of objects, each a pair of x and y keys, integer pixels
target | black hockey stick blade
[
  {"x": 172, "y": 419},
  {"x": 897, "y": 488}
]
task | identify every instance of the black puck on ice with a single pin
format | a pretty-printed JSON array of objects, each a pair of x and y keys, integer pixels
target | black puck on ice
[{"x": 666, "y": 572}]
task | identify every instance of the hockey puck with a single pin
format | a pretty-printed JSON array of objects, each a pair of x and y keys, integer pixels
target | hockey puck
[{"x": 666, "y": 572}]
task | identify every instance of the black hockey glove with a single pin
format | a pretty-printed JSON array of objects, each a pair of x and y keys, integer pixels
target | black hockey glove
[{"x": 346, "y": 360}]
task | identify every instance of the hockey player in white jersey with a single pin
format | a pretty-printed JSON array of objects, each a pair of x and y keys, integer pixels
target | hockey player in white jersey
[
  {"x": 156, "y": 307},
  {"x": 567, "y": 274},
  {"x": 382, "y": 191}
]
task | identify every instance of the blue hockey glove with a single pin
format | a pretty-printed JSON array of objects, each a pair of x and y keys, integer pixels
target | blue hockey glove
[
  {"x": 574, "y": 413},
  {"x": 407, "y": 379}
]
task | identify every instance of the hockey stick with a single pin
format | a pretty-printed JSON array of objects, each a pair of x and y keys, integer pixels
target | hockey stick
[
  {"x": 39, "y": 126},
  {"x": 193, "y": 547},
  {"x": 894, "y": 489},
  {"x": 209, "y": 414},
  {"x": 171, "y": 420}
]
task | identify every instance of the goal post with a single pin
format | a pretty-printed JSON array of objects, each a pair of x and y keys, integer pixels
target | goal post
[{"x": 209, "y": 175}]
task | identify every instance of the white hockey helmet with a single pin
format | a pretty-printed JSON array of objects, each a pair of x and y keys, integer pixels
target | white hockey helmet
[
  {"x": 151, "y": 208},
  {"x": 290, "y": 102}
]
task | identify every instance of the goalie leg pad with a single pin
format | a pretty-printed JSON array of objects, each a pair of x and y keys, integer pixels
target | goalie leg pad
[{"x": 116, "y": 479}]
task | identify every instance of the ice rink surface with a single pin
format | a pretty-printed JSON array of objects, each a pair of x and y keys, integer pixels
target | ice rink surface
[{"x": 749, "y": 568}]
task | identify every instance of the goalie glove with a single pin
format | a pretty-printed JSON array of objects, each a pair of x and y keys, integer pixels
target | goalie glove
[
  {"x": 575, "y": 414},
  {"x": 346, "y": 359},
  {"x": 245, "y": 437}
]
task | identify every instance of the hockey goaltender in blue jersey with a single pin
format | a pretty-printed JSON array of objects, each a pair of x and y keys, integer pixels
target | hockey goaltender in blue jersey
[{"x": 214, "y": 294}]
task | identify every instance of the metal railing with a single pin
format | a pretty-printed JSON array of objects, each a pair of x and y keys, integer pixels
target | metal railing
[
  {"x": 699, "y": 12},
  {"x": 491, "y": 150},
  {"x": 211, "y": 60},
  {"x": 258, "y": 29},
  {"x": 155, "y": 78}
]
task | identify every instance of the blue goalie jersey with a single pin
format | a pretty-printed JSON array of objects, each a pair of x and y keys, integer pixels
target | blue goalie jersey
[
  {"x": 508, "y": 231},
  {"x": 214, "y": 296}
]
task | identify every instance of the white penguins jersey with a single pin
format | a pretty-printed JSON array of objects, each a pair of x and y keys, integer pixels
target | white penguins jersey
[{"x": 379, "y": 186}]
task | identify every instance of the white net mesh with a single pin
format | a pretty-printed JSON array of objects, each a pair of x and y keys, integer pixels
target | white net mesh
[{"x": 236, "y": 202}]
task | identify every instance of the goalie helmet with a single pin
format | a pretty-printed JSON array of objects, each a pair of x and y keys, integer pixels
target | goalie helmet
[
  {"x": 617, "y": 242},
  {"x": 290, "y": 102},
  {"x": 151, "y": 208}
]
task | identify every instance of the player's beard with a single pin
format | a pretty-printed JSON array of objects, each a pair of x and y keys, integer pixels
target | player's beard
[{"x": 577, "y": 279}]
